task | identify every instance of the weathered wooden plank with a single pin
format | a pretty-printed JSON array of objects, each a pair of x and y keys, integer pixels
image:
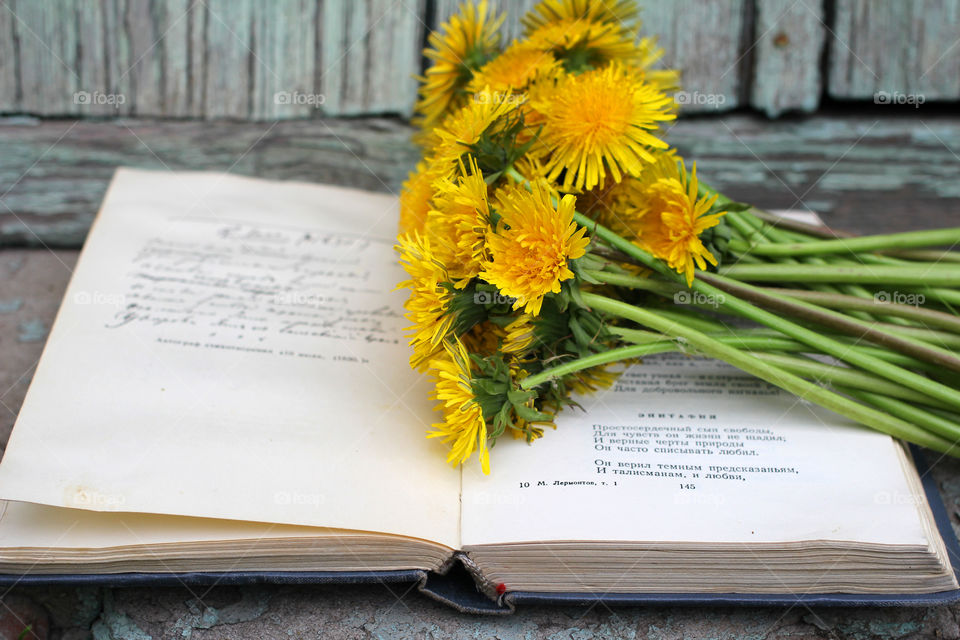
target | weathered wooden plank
[
  {"x": 396, "y": 39},
  {"x": 846, "y": 168},
  {"x": 702, "y": 38},
  {"x": 230, "y": 58},
  {"x": 181, "y": 24},
  {"x": 59, "y": 169},
  {"x": 284, "y": 34},
  {"x": 8, "y": 60},
  {"x": 895, "y": 50},
  {"x": 699, "y": 36},
  {"x": 789, "y": 37},
  {"x": 370, "y": 53},
  {"x": 111, "y": 54},
  {"x": 250, "y": 59},
  {"x": 47, "y": 50},
  {"x": 90, "y": 62},
  {"x": 152, "y": 62},
  {"x": 140, "y": 71},
  {"x": 513, "y": 10}
]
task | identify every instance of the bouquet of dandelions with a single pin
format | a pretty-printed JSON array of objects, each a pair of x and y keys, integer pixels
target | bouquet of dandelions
[{"x": 549, "y": 232}]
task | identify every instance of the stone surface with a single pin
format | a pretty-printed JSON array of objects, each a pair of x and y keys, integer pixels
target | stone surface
[
  {"x": 22, "y": 618},
  {"x": 31, "y": 285}
]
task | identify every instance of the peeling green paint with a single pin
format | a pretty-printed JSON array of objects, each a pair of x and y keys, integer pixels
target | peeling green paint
[
  {"x": 31, "y": 331},
  {"x": 10, "y": 305}
]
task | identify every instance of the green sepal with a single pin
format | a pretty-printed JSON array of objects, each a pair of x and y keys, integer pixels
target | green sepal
[{"x": 530, "y": 414}]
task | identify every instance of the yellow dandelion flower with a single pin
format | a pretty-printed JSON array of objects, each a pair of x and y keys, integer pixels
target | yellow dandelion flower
[
  {"x": 589, "y": 380},
  {"x": 532, "y": 246},
  {"x": 600, "y": 121},
  {"x": 463, "y": 426},
  {"x": 519, "y": 335},
  {"x": 648, "y": 54},
  {"x": 428, "y": 305},
  {"x": 623, "y": 13},
  {"x": 483, "y": 338},
  {"x": 621, "y": 205},
  {"x": 530, "y": 166},
  {"x": 459, "y": 47},
  {"x": 521, "y": 428},
  {"x": 519, "y": 65},
  {"x": 464, "y": 127},
  {"x": 582, "y": 45},
  {"x": 674, "y": 216},
  {"x": 601, "y": 202},
  {"x": 415, "y": 196},
  {"x": 458, "y": 224}
]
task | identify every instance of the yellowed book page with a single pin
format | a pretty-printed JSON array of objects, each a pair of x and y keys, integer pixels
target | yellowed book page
[
  {"x": 27, "y": 525},
  {"x": 690, "y": 450},
  {"x": 231, "y": 348}
]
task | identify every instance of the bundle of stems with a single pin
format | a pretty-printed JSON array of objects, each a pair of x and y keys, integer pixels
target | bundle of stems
[
  {"x": 881, "y": 306},
  {"x": 550, "y": 231}
]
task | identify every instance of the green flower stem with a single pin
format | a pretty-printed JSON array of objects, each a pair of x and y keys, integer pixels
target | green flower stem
[
  {"x": 770, "y": 340},
  {"x": 749, "y": 342},
  {"x": 930, "y": 421},
  {"x": 751, "y": 235},
  {"x": 846, "y": 377},
  {"x": 754, "y": 366},
  {"x": 692, "y": 320},
  {"x": 819, "y": 342},
  {"x": 859, "y": 291},
  {"x": 849, "y": 289},
  {"x": 662, "y": 287},
  {"x": 778, "y": 235},
  {"x": 889, "y": 336},
  {"x": 797, "y": 228},
  {"x": 921, "y": 344},
  {"x": 906, "y": 240},
  {"x": 946, "y": 297},
  {"x": 607, "y": 357},
  {"x": 927, "y": 317},
  {"x": 796, "y": 231},
  {"x": 921, "y": 255},
  {"x": 937, "y": 338},
  {"x": 785, "y": 230},
  {"x": 912, "y": 275},
  {"x": 637, "y": 336},
  {"x": 791, "y": 231}
]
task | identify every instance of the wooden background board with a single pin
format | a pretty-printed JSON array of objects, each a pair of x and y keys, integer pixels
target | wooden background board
[
  {"x": 899, "y": 170},
  {"x": 273, "y": 59}
]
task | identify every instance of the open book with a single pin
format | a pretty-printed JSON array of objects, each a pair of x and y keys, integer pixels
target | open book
[{"x": 226, "y": 389}]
